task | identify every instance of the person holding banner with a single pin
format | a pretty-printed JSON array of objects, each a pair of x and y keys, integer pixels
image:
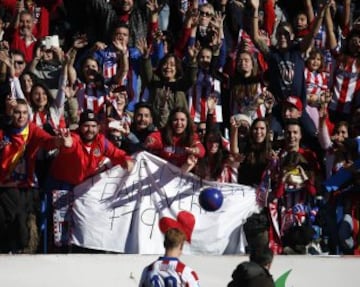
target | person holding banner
[
  {"x": 168, "y": 270},
  {"x": 176, "y": 142},
  {"x": 86, "y": 153}
]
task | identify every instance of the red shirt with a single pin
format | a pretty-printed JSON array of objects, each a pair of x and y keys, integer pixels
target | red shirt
[
  {"x": 75, "y": 164},
  {"x": 176, "y": 153},
  {"x": 27, "y": 142},
  {"x": 19, "y": 43}
]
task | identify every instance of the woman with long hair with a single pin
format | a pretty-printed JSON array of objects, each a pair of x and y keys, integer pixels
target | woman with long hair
[
  {"x": 177, "y": 141},
  {"x": 167, "y": 86},
  {"x": 255, "y": 158}
]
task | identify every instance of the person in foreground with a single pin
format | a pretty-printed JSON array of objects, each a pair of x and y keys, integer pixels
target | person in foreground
[
  {"x": 168, "y": 270},
  {"x": 254, "y": 273}
]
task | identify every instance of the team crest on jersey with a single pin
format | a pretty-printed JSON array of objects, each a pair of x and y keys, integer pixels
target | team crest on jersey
[{"x": 96, "y": 152}]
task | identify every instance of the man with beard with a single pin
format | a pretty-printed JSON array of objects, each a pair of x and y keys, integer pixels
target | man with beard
[
  {"x": 141, "y": 127},
  {"x": 85, "y": 152}
]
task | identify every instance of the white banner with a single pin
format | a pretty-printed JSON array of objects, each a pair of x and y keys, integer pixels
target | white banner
[{"x": 121, "y": 212}]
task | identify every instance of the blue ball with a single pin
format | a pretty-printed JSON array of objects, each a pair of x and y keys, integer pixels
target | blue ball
[{"x": 211, "y": 199}]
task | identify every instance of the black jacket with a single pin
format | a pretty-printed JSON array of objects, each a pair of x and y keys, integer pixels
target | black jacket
[{"x": 251, "y": 274}]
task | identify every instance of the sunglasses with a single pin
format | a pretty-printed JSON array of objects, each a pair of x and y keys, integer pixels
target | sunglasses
[
  {"x": 19, "y": 62},
  {"x": 206, "y": 14}
]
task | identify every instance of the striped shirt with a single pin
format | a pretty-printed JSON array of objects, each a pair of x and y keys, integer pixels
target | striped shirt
[{"x": 168, "y": 272}]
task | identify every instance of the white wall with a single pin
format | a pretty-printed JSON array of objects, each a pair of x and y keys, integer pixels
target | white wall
[{"x": 125, "y": 270}]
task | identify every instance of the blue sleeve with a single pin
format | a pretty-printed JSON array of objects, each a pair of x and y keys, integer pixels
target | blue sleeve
[
  {"x": 158, "y": 53},
  {"x": 222, "y": 56}
]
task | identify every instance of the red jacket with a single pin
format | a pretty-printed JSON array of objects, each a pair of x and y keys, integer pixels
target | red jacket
[
  {"x": 176, "y": 153},
  {"x": 74, "y": 165},
  {"x": 24, "y": 142}
]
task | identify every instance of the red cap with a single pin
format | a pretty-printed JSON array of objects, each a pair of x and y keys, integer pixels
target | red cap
[{"x": 295, "y": 101}]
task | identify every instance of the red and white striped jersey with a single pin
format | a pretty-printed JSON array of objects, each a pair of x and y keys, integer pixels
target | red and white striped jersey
[
  {"x": 346, "y": 85},
  {"x": 316, "y": 83},
  {"x": 91, "y": 98},
  {"x": 198, "y": 94},
  {"x": 168, "y": 272}
]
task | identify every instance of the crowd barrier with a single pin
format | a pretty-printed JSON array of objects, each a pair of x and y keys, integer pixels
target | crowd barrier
[{"x": 125, "y": 270}]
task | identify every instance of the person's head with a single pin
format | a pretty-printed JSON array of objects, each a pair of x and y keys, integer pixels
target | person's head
[
  {"x": 179, "y": 121},
  {"x": 120, "y": 97},
  {"x": 201, "y": 130},
  {"x": 262, "y": 256},
  {"x": 121, "y": 34},
  {"x": 259, "y": 131},
  {"x": 19, "y": 61},
  {"x": 48, "y": 54},
  {"x": 315, "y": 62},
  {"x": 293, "y": 135},
  {"x": 292, "y": 108},
  {"x": 284, "y": 36},
  {"x": 170, "y": 68},
  {"x": 29, "y": 4},
  {"x": 26, "y": 23},
  {"x": 123, "y": 5},
  {"x": 27, "y": 80},
  {"x": 174, "y": 239},
  {"x": 143, "y": 117},
  {"x": 341, "y": 132},
  {"x": 20, "y": 115},
  {"x": 88, "y": 126},
  {"x": 90, "y": 69},
  {"x": 206, "y": 12},
  {"x": 301, "y": 21},
  {"x": 40, "y": 97},
  {"x": 353, "y": 43},
  {"x": 213, "y": 142},
  {"x": 246, "y": 64},
  {"x": 204, "y": 58},
  {"x": 179, "y": 124}
]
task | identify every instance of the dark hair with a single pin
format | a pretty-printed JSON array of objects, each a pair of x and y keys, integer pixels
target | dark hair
[
  {"x": 262, "y": 256},
  {"x": 291, "y": 122},
  {"x": 218, "y": 158},
  {"x": 99, "y": 76},
  {"x": 258, "y": 149},
  {"x": 141, "y": 105},
  {"x": 178, "y": 66},
  {"x": 47, "y": 92},
  {"x": 17, "y": 52},
  {"x": 186, "y": 139}
]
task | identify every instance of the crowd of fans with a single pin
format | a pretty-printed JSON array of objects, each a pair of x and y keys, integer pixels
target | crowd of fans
[{"x": 258, "y": 92}]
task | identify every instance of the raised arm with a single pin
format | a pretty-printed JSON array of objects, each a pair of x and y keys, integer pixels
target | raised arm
[
  {"x": 254, "y": 31},
  {"x": 308, "y": 40},
  {"x": 330, "y": 35}
]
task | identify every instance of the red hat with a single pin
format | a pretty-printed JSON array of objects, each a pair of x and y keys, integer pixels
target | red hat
[{"x": 294, "y": 101}]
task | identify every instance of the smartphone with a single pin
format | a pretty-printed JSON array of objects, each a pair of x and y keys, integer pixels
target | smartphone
[{"x": 116, "y": 125}]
